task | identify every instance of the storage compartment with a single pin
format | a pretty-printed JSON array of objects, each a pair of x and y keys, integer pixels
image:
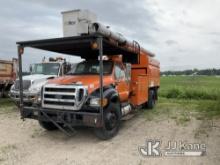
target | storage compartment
[{"x": 140, "y": 90}]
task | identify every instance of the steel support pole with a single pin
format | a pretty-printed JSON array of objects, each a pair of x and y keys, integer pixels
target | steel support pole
[
  {"x": 20, "y": 52},
  {"x": 100, "y": 40}
]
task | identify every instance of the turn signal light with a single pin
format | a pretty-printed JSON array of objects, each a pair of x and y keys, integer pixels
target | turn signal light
[{"x": 94, "y": 45}]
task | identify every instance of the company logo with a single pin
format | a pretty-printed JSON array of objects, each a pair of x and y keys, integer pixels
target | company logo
[
  {"x": 152, "y": 148},
  {"x": 70, "y": 22}
]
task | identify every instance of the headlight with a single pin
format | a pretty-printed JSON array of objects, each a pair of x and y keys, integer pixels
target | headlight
[
  {"x": 96, "y": 102},
  {"x": 37, "y": 98},
  {"x": 35, "y": 89}
]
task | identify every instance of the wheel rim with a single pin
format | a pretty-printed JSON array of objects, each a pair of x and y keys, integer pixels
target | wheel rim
[{"x": 111, "y": 120}]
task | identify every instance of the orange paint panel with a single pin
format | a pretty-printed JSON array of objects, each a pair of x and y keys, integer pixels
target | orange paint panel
[
  {"x": 140, "y": 90},
  {"x": 91, "y": 81}
]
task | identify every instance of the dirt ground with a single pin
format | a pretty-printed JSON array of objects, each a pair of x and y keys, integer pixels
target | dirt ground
[{"x": 25, "y": 143}]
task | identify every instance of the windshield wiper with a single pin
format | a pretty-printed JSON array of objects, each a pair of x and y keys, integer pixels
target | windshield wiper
[{"x": 70, "y": 73}]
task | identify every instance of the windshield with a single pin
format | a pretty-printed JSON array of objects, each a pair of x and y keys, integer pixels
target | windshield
[
  {"x": 91, "y": 68},
  {"x": 45, "y": 68}
]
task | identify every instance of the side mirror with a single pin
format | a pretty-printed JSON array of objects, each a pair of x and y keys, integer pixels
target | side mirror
[
  {"x": 66, "y": 68},
  {"x": 30, "y": 68},
  {"x": 128, "y": 71},
  {"x": 117, "y": 82}
]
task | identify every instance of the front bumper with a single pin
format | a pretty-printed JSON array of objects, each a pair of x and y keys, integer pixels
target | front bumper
[
  {"x": 74, "y": 118},
  {"x": 28, "y": 97}
]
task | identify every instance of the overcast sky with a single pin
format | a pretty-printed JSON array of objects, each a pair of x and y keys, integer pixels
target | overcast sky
[{"x": 182, "y": 34}]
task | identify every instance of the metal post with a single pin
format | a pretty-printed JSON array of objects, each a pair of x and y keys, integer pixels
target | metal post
[
  {"x": 101, "y": 74},
  {"x": 20, "y": 52}
]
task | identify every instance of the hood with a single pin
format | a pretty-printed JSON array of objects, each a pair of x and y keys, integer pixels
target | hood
[
  {"x": 91, "y": 81},
  {"x": 38, "y": 77},
  {"x": 36, "y": 82}
]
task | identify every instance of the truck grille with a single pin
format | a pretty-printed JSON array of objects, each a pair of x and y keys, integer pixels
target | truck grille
[
  {"x": 66, "y": 97},
  {"x": 26, "y": 84}
]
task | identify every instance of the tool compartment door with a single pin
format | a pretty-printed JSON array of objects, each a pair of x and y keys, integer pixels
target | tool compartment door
[{"x": 140, "y": 90}]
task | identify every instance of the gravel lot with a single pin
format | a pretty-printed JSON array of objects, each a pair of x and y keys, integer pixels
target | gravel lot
[{"x": 25, "y": 143}]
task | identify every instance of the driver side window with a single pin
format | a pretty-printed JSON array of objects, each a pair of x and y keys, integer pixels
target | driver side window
[
  {"x": 119, "y": 73},
  {"x": 66, "y": 68}
]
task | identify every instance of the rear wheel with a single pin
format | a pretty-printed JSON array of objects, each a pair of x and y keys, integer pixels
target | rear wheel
[
  {"x": 5, "y": 94},
  {"x": 48, "y": 125},
  {"x": 111, "y": 122},
  {"x": 151, "y": 99},
  {"x": 1, "y": 92}
]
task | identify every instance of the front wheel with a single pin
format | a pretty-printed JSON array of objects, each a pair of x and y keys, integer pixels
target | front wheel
[
  {"x": 1, "y": 93},
  {"x": 111, "y": 122}
]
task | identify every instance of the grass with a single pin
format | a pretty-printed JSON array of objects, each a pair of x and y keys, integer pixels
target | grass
[
  {"x": 209, "y": 109},
  {"x": 190, "y": 93},
  {"x": 190, "y": 87},
  {"x": 5, "y": 102},
  {"x": 178, "y": 110},
  {"x": 6, "y": 105},
  {"x": 184, "y": 97}
]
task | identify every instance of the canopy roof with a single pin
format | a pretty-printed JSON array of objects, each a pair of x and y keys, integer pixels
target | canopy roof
[{"x": 81, "y": 46}]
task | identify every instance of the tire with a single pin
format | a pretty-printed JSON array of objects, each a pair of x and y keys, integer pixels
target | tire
[
  {"x": 48, "y": 125},
  {"x": 151, "y": 99},
  {"x": 1, "y": 93},
  {"x": 5, "y": 94},
  {"x": 112, "y": 116}
]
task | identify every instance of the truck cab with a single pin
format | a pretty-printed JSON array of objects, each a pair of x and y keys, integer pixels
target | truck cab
[
  {"x": 85, "y": 76},
  {"x": 40, "y": 73}
]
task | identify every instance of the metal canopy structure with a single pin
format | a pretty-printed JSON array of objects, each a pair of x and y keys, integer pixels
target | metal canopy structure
[
  {"x": 82, "y": 46},
  {"x": 87, "y": 47}
]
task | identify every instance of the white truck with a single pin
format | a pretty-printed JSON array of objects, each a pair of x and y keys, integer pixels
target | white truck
[{"x": 40, "y": 73}]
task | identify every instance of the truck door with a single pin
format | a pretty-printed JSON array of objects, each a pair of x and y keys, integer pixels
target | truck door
[{"x": 121, "y": 82}]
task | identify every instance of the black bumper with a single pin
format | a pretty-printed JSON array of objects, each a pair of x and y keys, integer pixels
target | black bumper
[{"x": 74, "y": 118}]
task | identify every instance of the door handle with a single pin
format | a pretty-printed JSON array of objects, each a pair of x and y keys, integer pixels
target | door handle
[{"x": 117, "y": 82}]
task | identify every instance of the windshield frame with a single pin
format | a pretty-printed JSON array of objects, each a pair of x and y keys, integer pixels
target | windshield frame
[
  {"x": 55, "y": 72},
  {"x": 71, "y": 72}
]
